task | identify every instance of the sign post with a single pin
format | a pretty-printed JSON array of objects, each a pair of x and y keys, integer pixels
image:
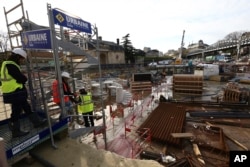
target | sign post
[
  {"x": 38, "y": 39},
  {"x": 64, "y": 19}
]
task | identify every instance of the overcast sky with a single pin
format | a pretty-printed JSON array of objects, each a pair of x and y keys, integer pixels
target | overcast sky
[{"x": 157, "y": 24}]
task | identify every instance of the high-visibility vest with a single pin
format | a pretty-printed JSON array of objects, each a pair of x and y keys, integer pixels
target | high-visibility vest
[
  {"x": 9, "y": 84},
  {"x": 86, "y": 104},
  {"x": 56, "y": 94}
]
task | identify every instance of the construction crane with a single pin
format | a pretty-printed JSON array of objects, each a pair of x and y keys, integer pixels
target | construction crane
[{"x": 179, "y": 59}]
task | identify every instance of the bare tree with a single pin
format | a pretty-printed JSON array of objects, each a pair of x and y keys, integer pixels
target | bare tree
[
  {"x": 245, "y": 35},
  {"x": 234, "y": 35},
  {"x": 3, "y": 42}
]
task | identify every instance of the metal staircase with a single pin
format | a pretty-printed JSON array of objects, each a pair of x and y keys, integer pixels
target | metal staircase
[
  {"x": 63, "y": 44},
  {"x": 38, "y": 86},
  {"x": 75, "y": 50},
  {"x": 21, "y": 24}
]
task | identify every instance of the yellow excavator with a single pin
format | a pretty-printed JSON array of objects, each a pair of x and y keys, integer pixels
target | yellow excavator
[{"x": 179, "y": 59}]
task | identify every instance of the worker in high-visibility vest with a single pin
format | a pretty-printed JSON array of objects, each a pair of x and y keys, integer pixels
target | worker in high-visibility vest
[
  {"x": 86, "y": 107},
  {"x": 15, "y": 93}
]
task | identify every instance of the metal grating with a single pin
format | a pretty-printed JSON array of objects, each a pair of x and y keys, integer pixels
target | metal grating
[
  {"x": 167, "y": 118},
  {"x": 20, "y": 145}
]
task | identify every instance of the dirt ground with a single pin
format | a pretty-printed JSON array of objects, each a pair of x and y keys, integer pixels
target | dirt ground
[{"x": 69, "y": 152}]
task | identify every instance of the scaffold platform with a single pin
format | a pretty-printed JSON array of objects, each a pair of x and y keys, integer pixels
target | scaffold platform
[{"x": 16, "y": 147}]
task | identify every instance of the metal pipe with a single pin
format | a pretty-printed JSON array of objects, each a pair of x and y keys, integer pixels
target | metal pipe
[
  {"x": 57, "y": 68},
  {"x": 56, "y": 58},
  {"x": 100, "y": 73},
  {"x": 45, "y": 103}
]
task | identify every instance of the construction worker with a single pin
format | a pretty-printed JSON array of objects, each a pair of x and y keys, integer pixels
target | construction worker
[
  {"x": 69, "y": 97},
  {"x": 86, "y": 107},
  {"x": 15, "y": 92}
]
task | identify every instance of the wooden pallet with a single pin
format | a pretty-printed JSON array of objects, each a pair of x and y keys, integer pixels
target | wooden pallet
[
  {"x": 187, "y": 84},
  {"x": 140, "y": 86}
]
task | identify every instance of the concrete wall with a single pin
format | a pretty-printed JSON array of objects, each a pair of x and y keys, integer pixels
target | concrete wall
[{"x": 110, "y": 57}]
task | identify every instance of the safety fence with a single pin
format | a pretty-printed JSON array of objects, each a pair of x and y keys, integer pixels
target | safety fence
[{"x": 125, "y": 139}]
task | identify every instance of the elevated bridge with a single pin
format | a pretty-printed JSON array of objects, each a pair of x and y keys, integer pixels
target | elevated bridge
[{"x": 223, "y": 45}]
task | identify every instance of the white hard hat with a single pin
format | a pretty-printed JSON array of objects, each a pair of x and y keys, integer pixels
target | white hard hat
[
  {"x": 82, "y": 88},
  {"x": 65, "y": 74},
  {"x": 20, "y": 52}
]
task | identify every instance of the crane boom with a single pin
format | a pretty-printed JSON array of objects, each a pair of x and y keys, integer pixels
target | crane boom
[
  {"x": 182, "y": 44},
  {"x": 179, "y": 59}
]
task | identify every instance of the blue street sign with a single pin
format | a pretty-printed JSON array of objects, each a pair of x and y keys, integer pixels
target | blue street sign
[
  {"x": 64, "y": 20},
  {"x": 38, "y": 39}
]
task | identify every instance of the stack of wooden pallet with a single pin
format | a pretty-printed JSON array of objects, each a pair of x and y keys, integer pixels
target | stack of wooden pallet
[
  {"x": 187, "y": 84},
  {"x": 141, "y": 82}
]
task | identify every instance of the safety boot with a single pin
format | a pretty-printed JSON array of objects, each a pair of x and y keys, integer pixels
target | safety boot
[
  {"x": 16, "y": 131},
  {"x": 36, "y": 120}
]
